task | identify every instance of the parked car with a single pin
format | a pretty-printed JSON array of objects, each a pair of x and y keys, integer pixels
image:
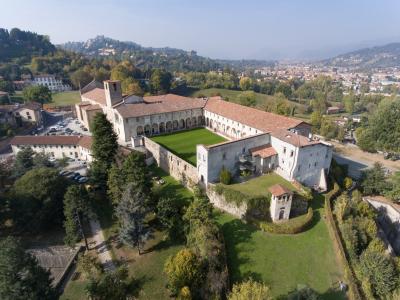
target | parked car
[
  {"x": 76, "y": 175},
  {"x": 52, "y": 159},
  {"x": 63, "y": 172},
  {"x": 83, "y": 179},
  {"x": 76, "y": 178}
]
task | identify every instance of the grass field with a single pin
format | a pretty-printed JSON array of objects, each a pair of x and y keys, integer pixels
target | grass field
[
  {"x": 283, "y": 261},
  {"x": 184, "y": 143},
  {"x": 262, "y": 100},
  {"x": 259, "y": 186},
  {"x": 65, "y": 98}
]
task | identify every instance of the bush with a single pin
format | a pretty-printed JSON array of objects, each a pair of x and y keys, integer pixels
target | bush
[
  {"x": 292, "y": 226},
  {"x": 183, "y": 270},
  {"x": 225, "y": 176}
]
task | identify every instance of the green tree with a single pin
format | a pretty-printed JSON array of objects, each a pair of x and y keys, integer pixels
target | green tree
[
  {"x": 131, "y": 86},
  {"x": 316, "y": 120},
  {"x": 250, "y": 290},
  {"x": 183, "y": 270},
  {"x": 374, "y": 180},
  {"x": 115, "y": 184},
  {"x": 36, "y": 199},
  {"x": 349, "y": 103},
  {"x": 394, "y": 192},
  {"x": 41, "y": 160},
  {"x": 89, "y": 266},
  {"x": 380, "y": 271},
  {"x": 37, "y": 93},
  {"x": 247, "y": 98},
  {"x": 113, "y": 285},
  {"x": 160, "y": 81},
  {"x": 131, "y": 212},
  {"x": 21, "y": 277},
  {"x": 285, "y": 89},
  {"x": 245, "y": 83},
  {"x": 23, "y": 161},
  {"x": 80, "y": 78},
  {"x": 104, "y": 148},
  {"x": 134, "y": 171},
  {"x": 168, "y": 213},
  {"x": 76, "y": 205}
]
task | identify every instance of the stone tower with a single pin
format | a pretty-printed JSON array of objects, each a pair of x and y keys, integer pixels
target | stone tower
[
  {"x": 281, "y": 202},
  {"x": 112, "y": 89}
]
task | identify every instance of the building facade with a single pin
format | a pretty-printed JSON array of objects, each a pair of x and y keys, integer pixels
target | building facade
[
  {"x": 260, "y": 141},
  {"x": 75, "y": 147},
  {"x": 51, "y": 82}
]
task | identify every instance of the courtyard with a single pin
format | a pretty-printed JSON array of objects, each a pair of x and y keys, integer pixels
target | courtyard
[{"x": 183, "y": 144}]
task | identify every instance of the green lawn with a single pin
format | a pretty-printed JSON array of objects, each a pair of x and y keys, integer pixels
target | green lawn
[
  {"x": 283, "y": 261},
  {"x": 259, "y": 186},
  {"x": 65, "y": 98},
  {"x": 74, "y": 290},
  {"x": 184, "y": 143},
  {"x": 262, "y": 100}
]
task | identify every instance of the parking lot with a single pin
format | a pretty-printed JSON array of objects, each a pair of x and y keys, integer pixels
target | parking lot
[{"x": 62, "y": 126}]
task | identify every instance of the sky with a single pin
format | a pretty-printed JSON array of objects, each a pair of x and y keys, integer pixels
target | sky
[{"x": 228, "y": 29}]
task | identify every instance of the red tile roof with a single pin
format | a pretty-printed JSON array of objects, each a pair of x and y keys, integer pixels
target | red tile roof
[
  {"x": 279, "y": 190},
  {"x": 91, "y": 107},
  {"x": 97, "y": 95},
  {"x": 294, "y": 139},
  {"x": 252, "y": 117},
  {"x": 45, "y": 140},
  {"x": 263, "y": 151},
  {"x": 158, "y": 104},
  {"x": 85, "y": 141},
  {"x": 28, "y": 140}
]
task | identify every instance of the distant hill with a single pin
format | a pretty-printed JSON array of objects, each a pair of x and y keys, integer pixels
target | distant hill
[
  {"x": 368, "y": 58},
  {"x": 169, "y": 58},
  {"x": 19, "y": 44}
]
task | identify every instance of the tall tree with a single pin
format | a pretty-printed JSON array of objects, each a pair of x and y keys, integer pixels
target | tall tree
[
  {"x": 160, "y": 81},
  {"x": 374, "y": 180},
  {"x": 115, "y": 184},
  {"x": 23, "y": 161},
  {"x": 37, "y": 93},
  {"x": 76, "y": 207},
  {"x": 36, "y": 199},
  {"x": 134, "y": 171},
  {"x": 21, "y": 277},
  {"x": 131, "y": 212},
  {"x": 104, "y": 148}
]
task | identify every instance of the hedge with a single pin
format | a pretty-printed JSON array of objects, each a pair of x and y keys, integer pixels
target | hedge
[
  {"x": 239, "y": 198},
  {"x": 354, "y": 292},
  {"x": 291, "y": 226}
]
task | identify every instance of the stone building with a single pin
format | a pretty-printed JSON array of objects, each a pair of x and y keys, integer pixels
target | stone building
[
  {"x": 260, "y": 141},
  {"x": 281, "y": 202}
]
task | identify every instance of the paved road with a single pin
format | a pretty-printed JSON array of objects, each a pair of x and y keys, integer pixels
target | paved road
[{"x": 99, "y": 243}]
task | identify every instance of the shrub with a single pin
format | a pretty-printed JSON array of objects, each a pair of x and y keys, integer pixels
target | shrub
[
  {"x": 250, "y": 289},
  {"x": 225, "y": 176},
  {"x": 183, "y": 270},
  {"x": 292, "y": 226},
  {"x": 347, "y": 183}
]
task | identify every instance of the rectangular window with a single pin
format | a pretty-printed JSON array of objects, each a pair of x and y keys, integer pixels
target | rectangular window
[
  {"x": 291, "y": 153},
  {"x": 284, "y": 150}
]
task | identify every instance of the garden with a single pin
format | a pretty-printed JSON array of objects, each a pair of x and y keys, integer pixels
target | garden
[{"x": 184, "y": 143}]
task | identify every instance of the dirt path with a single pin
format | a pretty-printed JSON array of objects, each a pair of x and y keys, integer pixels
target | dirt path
[{"x": 99, "y": 244}]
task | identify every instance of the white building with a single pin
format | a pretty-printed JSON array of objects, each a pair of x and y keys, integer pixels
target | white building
[
  {"x": 259, "y": 141},
  {"x": 76, "y": 147},
  {"x": 54, "y": 84},
  {"x": 281, "y": 202}
]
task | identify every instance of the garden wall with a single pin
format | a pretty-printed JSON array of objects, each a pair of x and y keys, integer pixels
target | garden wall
[
  {"x": 220, "y": 202},
  {"x": 171, "y": 163}
]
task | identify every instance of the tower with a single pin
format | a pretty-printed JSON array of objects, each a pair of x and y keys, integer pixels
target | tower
[
  {"x": 112, "y": 89},
  {"x": 281, "y": 202}
]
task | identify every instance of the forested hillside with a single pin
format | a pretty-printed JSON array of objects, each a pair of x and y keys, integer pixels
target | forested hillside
[{"x": 17, "y": 43}]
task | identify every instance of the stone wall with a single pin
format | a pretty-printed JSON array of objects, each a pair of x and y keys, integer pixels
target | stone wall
[
  {"x": 177, "y": 167},
  {"x": 220, "y": 202}
]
